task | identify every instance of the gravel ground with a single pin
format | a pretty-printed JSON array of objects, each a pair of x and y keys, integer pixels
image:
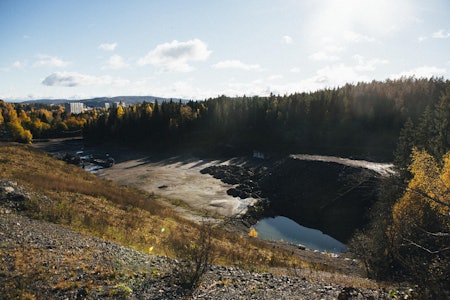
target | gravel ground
[{"x": 48, "y": 261}]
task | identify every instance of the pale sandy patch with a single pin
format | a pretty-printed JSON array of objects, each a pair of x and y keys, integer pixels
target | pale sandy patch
[{"x": 179, "y": 178}]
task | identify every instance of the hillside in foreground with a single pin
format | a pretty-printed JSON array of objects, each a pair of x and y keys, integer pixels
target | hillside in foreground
[{"x": 67, "y": 234}]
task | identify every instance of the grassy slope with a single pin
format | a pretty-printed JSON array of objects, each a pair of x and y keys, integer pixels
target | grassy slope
[
  {"x": 67, "y": 195},
  {"x": 92, "y": 205}
]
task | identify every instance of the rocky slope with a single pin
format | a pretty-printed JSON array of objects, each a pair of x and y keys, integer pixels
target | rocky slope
[
  {"x": 317, "y": 194},
  {"x": 46, "y": 261}
]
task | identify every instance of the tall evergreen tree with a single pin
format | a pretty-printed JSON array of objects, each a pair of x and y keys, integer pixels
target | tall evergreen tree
[
  {"x": 440, "y": 141},
  {"x": 402, "y": 154}
]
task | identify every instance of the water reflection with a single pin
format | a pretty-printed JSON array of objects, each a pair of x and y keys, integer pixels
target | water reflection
[{"x": 282, "y": 228}]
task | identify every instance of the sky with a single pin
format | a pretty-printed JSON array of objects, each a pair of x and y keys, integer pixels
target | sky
[{"x": 197, "y": 49}]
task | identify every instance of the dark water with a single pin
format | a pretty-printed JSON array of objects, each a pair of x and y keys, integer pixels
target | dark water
[{"x": 282, "y": 228}]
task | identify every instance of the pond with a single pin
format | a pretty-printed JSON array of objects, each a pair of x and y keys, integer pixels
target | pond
[{"x": 282, "y": 228}]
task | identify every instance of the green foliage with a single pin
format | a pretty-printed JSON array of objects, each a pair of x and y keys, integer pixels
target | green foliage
[
  {"x": 432, "y": 134},
  {"x": 402, "y": 154},
  {"x": 121, "y": 291},
  {"x": 354, "y": 120}
]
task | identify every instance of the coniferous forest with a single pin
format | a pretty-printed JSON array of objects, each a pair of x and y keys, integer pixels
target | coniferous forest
[{"x": 362, "y": 120}]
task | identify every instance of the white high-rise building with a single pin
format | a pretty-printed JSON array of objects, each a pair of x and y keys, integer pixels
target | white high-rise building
[{"x": 74, "y": 107}]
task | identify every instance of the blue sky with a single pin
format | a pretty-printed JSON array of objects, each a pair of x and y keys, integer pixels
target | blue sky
[{"x": 199, "y": 49}]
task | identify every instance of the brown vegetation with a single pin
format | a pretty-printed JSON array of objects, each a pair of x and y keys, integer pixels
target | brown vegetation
[{"x": 72, "y": 197}]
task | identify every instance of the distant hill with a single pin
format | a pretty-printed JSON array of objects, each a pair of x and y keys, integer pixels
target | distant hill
[{"x": 98, "y": 102}]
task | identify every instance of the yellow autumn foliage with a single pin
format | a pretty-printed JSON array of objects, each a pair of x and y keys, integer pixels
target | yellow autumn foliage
[
  {"x": 120, "y": 111},
  {"x": 431, "y": 181},
  {"x": 253, "y": 233},
  {"x": 19, "y": 133},
  {"x": 427, "y": 197}
]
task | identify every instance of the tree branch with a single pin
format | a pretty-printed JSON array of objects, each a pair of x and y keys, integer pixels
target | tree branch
[
  {"x": 426, "y": 249},
  {"x": 439, "y": 234},
  {"x": 423, "y": 194}
]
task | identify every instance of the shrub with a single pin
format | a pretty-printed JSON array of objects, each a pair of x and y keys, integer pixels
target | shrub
[{"x": 196, "y": 256}]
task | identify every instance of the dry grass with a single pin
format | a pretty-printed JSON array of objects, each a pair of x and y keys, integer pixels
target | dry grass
[
  {"x": 38, "y": 273},
  {"x": 67, "y": 195}
]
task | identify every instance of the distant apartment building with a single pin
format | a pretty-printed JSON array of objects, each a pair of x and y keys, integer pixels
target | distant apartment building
[
  {"x": 74, "y": 107},
  {"x": 117, "y": 104},
  {"x": 108, "y": 105}
]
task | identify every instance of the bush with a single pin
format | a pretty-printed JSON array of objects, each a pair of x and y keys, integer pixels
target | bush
[{"x": 196, "y": 257}]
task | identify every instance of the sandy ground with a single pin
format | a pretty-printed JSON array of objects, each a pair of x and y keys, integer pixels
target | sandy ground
[
  {"x": 176, "y": 178},
  {"x": 179, "y": 178}
]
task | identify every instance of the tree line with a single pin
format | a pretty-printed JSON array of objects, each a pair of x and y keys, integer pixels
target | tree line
[
  {"x": 25, "y": 122},
  {"x": 362, "y": 120}
]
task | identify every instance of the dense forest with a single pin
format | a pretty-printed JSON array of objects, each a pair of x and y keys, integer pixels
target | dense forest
[
  {"x": 362, "y": 120},
  {"x": 406, "y": 121}
]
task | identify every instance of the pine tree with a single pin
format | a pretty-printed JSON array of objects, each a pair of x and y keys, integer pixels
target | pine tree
[
  {"x": 440, "y": 141},
  {"x": 402, "y": 154}
]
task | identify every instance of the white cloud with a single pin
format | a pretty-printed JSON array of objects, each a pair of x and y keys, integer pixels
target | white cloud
[
  {"x": 338, "y": 75},
  {"x": 50, "y": 61},
  {"x": 116, "y": 62},
  {"x": 15, "y": 65},
  {"x": 330, "y": 50},
  {"x": 275, "y": 77},
  {"x": 328, "y": 77},
  {"x": 287, "y": 40},
  {"x": 108, "y": 46},
  {"x": 175, "y": 56},
  {"x": 334, "y": 48},
  {"x": 442, "y": 34},
  {"x": 368, "y": 64},
  {"x": 236, "y": 64},
  {"x": 72, "y": 79},
  {"x": 323, "y": 56},
  {"x": 295, "y": 70},
  {"x": 18, "y": 64},
  {"x": 356, "y": 37},
  {"x": 421, "y": 72},
  {"x": 420, "y": 39}
]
